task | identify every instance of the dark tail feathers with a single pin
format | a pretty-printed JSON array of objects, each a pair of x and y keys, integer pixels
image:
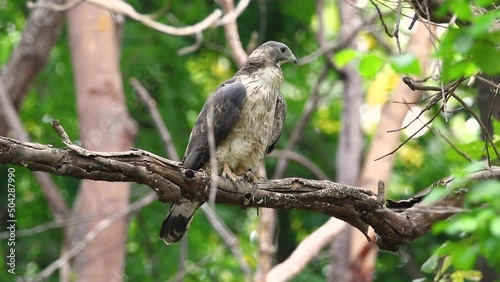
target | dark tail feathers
[{"x": 177, "y": 222}]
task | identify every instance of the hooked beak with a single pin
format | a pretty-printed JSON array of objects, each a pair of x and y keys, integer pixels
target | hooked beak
[{"x": 294, "y": 59}]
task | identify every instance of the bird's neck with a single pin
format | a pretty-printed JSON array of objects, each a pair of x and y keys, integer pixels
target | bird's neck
[{"x": 255, "y": 64}]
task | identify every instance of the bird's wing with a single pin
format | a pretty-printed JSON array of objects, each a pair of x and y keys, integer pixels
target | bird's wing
[
  {"x": 279, "y": 120},
  {"x": 226, "y": 102}
]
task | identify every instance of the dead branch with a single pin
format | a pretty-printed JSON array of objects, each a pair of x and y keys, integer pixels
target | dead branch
[{"x": 357, "y": 206}]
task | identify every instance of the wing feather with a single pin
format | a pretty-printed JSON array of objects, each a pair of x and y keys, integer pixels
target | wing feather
[
  {"x": 227, "y": 102},
  {"x": 279, "y": 120}
]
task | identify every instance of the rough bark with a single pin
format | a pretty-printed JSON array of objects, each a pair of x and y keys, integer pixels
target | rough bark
[
  {"x": 357, "y": 206},
  {"x": 105, "y": 126}
]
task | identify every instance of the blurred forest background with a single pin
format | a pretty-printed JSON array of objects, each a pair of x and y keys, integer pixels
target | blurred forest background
[{"x": 343, "y": 97}]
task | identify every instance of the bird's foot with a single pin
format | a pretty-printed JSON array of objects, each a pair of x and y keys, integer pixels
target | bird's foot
[
  {"x": 251, "y": 177},
  {"x": 228, "y": 174}
]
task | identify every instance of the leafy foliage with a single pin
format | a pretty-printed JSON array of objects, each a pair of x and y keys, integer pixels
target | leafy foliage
[{"x": 180, "y": 85}]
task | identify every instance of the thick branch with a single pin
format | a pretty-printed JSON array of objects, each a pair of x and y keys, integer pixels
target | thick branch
[{"x": 357, "y": 206}]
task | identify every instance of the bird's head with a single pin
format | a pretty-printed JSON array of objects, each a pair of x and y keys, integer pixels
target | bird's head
[{"x": 274, "y": 51}]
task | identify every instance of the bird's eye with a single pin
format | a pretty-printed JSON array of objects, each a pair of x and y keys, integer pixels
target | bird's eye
[{"x": 282, "y": 49}]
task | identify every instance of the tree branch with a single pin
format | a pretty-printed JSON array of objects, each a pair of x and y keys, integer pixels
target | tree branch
[{"x": 357, "y": 206}]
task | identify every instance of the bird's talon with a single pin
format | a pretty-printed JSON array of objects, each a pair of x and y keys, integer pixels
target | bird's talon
[
  {"x": 250, "y": 177},
  {"x": 262, "y": 200}
]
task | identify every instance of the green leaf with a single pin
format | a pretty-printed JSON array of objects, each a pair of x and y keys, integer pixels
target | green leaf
[
  {"x": 461, "y": 9},
  {"x": 430, "y": 264},
  {"x": 343, "y": 57},
  {"x": 459, "y": 69},
  {"x": 486, "y": 57},
  {"x": 406, "y": 64},
  {"x": 484, "y": 3},
  {"x": 482, "y": 24},
  {"x": 463, "y": 224},
  {"x": 470, "y": 275},
  {"x": 495, "y": 227},
  {"x": 487, "y": 191},
  {"x": 463, "y": 43},
  {"x": 464, "y": 257},
  {"x": 370, "y": 65}
]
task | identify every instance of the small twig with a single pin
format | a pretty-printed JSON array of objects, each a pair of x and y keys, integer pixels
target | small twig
[
  {"x": 449, "y": 89},
  {"x": 192, "y": 48},
  {"x": 460, "y": 152},
  {"x": 410, "y": 123},
  {"x": 413, "y": 86},
  {"x": 476, "y": 117},
  {"x": 381, "y": 193},
  {"x": 416, "y": 102},
  {"x": 395, "y": 32},
  {"x": 490, "y": 83},
  {"x": 56, "y": 125},
  {"x": 336, "y": 45},
  {"x": 409, "y": 138}
]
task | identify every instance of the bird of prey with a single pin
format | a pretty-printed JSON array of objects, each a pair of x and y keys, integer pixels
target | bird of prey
[{"x": 247, "y": 113}]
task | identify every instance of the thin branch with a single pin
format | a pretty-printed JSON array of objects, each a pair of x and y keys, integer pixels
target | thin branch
[
  {"x": 229, "y": 238},
  {"x": 409, "y": 138},
  {"x": 124, "y": 8},
  {"x": 158, "y": 120},
  {"x": 103, "y": 224},
  {"x": 490, "y": 83},
  {"x": 447, "y": 140},
  {"x": 307, "y": 163},
  {"x": 305, "y": 251},
  {"x": 231, "y": 30},
  {"x": 234, "y": 14},
  {"x": 336, "y": 45},
  {"x": 192, "y": 48},
  {"x": 395, "y": 32},
  {"x": 476, "y": 117}
]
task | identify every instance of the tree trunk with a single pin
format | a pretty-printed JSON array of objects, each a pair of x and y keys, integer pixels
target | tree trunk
[
  {"x": 105, "y": 125},
  {"x": 350, "y": 146},
  {"x": 363, "y": 254},
  {"x": 30, "y": 55}
]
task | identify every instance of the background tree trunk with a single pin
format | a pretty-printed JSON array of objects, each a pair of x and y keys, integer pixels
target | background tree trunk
[
  {"x": 30, "y": 55},
  {"x": 105, "y": 126},
  {"x": 350, "y": 146},
  {"x": 363, "y": 254}
]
